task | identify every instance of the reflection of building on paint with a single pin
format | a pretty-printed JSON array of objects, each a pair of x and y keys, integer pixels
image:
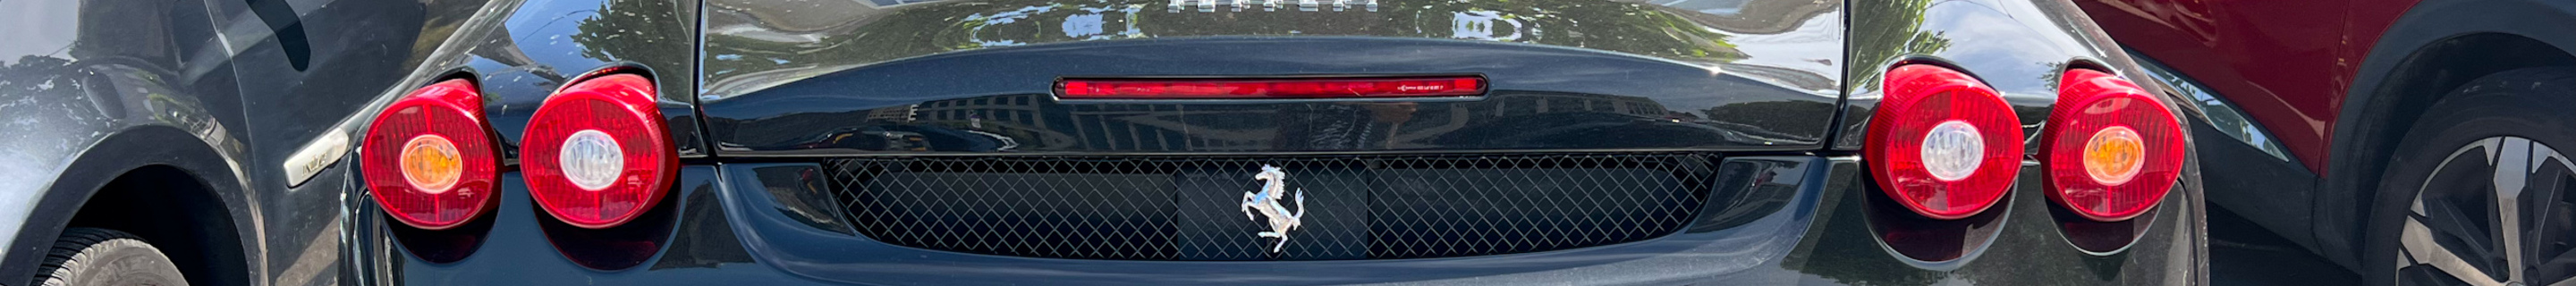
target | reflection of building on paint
[
  {"x": 1006, "y": 141},
  {"x": 1433, "y": 122},
  {"x": 1535, "y": 103},
  {"x": 1010, "y": 116},
  {"x": 893, "y": 115},
  {"x": 1220, "y": 128}
]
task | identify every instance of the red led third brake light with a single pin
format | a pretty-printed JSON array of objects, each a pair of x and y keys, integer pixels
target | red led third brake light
[{"x": 1269, "y": 88}]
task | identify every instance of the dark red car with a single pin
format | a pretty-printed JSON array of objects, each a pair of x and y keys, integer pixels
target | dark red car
[{"x": 2412, "y": 141}]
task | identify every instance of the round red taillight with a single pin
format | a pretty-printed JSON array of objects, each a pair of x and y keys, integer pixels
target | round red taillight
[
  {"x": 429, "y": 159},
  {"x": 596, "y": 154},
  {"x": 2112, "y": 149},
  {"x": 1942, "y": 143}
]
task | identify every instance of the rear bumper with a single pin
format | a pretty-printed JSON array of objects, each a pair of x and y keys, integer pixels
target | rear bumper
[{"x": 1787, "y": 219}]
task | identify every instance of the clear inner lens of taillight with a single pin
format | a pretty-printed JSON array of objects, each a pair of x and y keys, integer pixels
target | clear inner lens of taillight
[
  {"x": 428, "y": 159},
  {"x": 592, "y": 160},
  {"x": 1953, "y": 150},
  {"x": 596, "y": 154},
  {"x": 2113, "y": 150},
  {"x": 1942, "y": 143}
]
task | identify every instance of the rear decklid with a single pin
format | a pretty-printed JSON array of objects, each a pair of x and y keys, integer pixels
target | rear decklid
[{"x": 831, "y": 77}]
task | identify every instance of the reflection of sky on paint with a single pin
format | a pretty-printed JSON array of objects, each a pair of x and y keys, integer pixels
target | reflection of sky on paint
[
  {"x": 1082, "y": 25},
  {"x": 1093, "y": 23},
  {"x": 978, "y": 22},
  {"x": 45, "y": 31},
  {"x": 968, "y": 27},
  {"x": 1717, "y": 7},
  {"x": 1483, "y": 25},
  {"x": 1816, "y": 47}
]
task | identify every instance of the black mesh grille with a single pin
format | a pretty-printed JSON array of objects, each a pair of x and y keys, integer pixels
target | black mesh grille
[{"x": 1191, "y": 207}]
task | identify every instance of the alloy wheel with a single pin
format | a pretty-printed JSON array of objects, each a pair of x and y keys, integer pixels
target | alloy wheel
[{"x": 2494, "y": 212}]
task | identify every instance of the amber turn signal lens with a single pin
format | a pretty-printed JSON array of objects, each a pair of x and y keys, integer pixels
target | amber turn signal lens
[
  {"x": 431, "y": 162},
  {"x": 2112, "y": 149},
  {"x": 2113, "y": 155}
]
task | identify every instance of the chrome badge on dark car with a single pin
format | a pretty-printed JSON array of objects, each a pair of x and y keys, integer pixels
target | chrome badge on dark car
[{"x": 1266, "y": 203}]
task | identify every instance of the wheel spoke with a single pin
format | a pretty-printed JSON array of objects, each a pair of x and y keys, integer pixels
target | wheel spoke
[
  {"x": 2438, "y": 214},
  {"x": 2512, "y": 174},
  {"x": 2419, "y": 245},
  {"x": 2456, "y": 224}
]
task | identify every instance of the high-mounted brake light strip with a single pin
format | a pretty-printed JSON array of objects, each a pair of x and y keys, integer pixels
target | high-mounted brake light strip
[{"x": 1269, "y": 88}]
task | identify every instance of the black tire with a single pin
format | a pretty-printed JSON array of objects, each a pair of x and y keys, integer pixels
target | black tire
[
  {"x": 91, "y": 256},
  {"x": 2528, "y": 114}
]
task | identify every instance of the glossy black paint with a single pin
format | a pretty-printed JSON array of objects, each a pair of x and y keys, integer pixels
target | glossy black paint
[
  {"x": 2017, "y": 47},
  {"x": 2028, "y": 247},
  {"x": 1756, "y": 80},
  {"x": 794, "y": 80},
  {"x": 1542, "y": 98},
  {"x": 691, "y": 244},
  {"x": 1781, "y": 220},
  {"x": 532, "y": 48},
  {"x": 752, "y": 45}
]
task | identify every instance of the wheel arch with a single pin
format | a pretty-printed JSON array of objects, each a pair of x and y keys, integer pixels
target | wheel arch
[
  {"x": 2437, "y": 46},
  {"x": 200, "y": 226}
]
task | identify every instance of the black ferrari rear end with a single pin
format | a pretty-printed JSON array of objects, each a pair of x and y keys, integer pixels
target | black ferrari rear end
[{"x": 1193, "y": 142}]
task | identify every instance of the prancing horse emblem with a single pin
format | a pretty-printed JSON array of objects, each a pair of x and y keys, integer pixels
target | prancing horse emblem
[{"x": 1274, "y": 183}]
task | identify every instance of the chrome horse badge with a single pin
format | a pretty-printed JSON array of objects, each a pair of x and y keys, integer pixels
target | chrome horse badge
[{"x": 1266, "y": 202}]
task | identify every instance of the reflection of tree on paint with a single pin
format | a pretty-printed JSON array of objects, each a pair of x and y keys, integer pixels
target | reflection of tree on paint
[
  {"x": 930, "y": 28},
  {"x": 1881, "y": 31},
  {"x": 623, "y": 30}
]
